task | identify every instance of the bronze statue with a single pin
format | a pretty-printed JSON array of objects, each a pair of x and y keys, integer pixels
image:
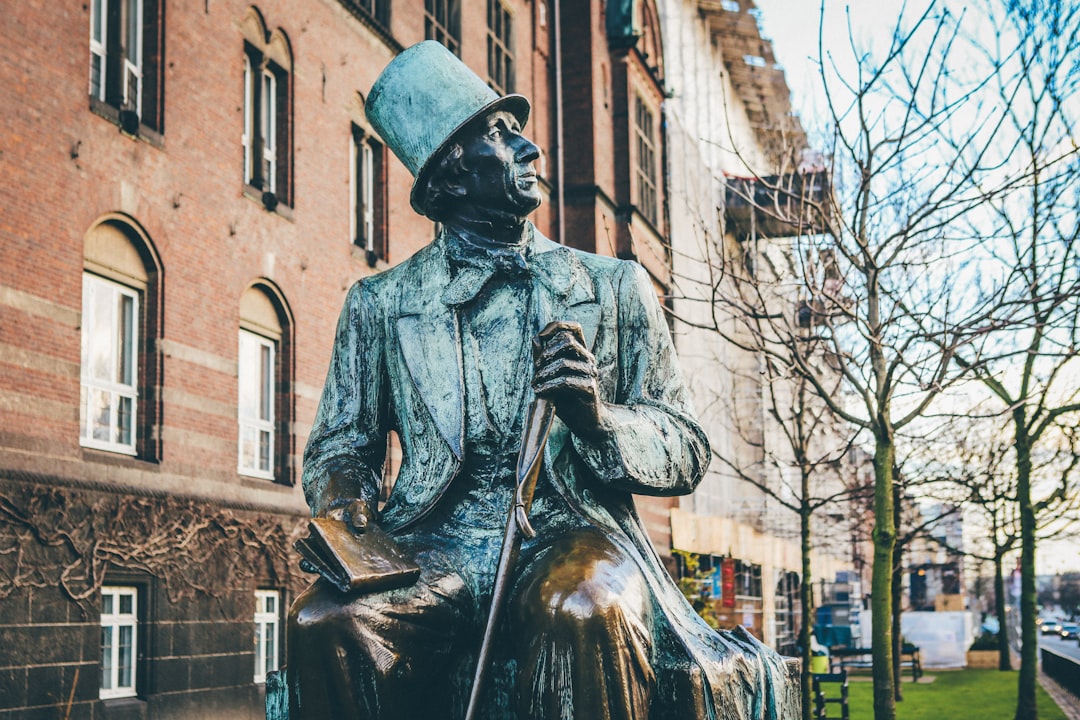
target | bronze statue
[{"x": 450, "y": 349}]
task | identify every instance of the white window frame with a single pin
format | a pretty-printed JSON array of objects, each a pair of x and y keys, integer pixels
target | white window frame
[
  {"x": 262, "y": 125},
  {"x": 249, "y": 128},
  {"x": 116, "y": 388},
  {"x": 133, "y": 55},
  {"x": 98, "y": 13},
  {"x": 362, "y": 195},
  {"x": 113, "y": 682},
  {"x": 256, "y": 373},
  {"x": 268, "y": 128},
  {"x": 267, "y": 623},
  {"x": 131, "y": 35}
]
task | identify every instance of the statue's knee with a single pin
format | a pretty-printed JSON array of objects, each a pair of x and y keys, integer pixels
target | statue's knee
[
  {"x": 310, "y": 617},
  {"x": 590, "y": 605}
]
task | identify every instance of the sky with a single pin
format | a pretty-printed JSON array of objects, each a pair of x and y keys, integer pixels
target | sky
[{"x": 792, "y": 25}]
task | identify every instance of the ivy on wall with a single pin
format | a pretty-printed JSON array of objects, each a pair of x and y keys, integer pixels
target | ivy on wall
[{"x": 70, "y": 538}]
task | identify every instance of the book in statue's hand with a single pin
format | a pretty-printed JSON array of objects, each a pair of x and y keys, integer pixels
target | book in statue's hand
[{"x": 354, "y": 560}]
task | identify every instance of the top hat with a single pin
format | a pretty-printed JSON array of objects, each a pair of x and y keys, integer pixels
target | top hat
[{"x": 422, "y": 99}]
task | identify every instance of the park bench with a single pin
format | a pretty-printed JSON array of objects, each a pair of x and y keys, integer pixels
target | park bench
[
  {"x": 841, "y": 658},
  {"x": 822, "y": 701}
]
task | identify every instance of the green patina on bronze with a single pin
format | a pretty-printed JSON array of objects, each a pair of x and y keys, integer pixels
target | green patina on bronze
[{"x": 446, "y": 350}]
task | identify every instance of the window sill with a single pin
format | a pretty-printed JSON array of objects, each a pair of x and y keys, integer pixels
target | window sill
[
  {"x": 275, "y": 207},
  {"x": 368, "y": 257},
  {"x": 120, "y": 459},
  {"x": 112, "y": 114},
  {"x": 124, "y": 708}
]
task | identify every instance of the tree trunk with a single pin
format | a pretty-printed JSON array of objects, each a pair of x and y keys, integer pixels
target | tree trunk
[
  {"x": 884, "y": 536},
  {"x": 896, "y": 591},
  {"x": 1004, "y": 654},
  {"x": 1029, "y": 648},
  {"x": 806, "y": 596}
]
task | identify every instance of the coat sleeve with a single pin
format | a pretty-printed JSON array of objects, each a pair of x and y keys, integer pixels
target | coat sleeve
[
  {"x": 344, "y": 455},
  {"x": 652, "y": 444}
]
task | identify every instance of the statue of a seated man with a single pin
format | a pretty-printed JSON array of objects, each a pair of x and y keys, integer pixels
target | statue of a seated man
[{"x": 445, "y": 349}]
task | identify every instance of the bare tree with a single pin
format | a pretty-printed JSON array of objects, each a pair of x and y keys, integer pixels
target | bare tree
[
  {"x": 1030, "y": 359},
  {"x": 798, "y": 463},
  {"x": 875, "y": 271}
]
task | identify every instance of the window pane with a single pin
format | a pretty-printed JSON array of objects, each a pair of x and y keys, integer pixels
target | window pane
[
  {"x": 100, "y": 415},
  {"x": 96, "y": 80},
  {"x": 260, "y": 656},
  {"x": 98, "y": 325},
  {"x": 123, "y": 425},
  {"x": 271, "y": 653},
  {"x": 106, "y": 658},
  {"x": 106, "y": 604},
  {"x": 133, "y": 36},
  {"x": 126, "y": 340},
  {"x": 266, "y": 383},
  {"x": 248, "y": 386},
  {"x": 271, "y": 604},
  {"x": 124, "y": 659},
  {"x": 264, "y": 450},
  {"x": 126, "y": 602},
  {"x": 247, "y": 446},
  {"x": 249, "y": 129},
  {"x": 96, "y": 25}
]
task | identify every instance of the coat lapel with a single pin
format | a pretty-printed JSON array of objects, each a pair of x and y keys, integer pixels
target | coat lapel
[
  {"x": 429, "y": 335},
  {"x": 568, "y": 289},
  {"x": 569, "y": 294},
  {"x": 429, "y": 331}
]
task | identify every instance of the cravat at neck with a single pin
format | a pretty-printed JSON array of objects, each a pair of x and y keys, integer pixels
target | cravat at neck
[{"x": 474, "y": 260}]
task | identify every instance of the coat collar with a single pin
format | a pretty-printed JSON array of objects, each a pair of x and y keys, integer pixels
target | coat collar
[{"x": 429, "y": 330}]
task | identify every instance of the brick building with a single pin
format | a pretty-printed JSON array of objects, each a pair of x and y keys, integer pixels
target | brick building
[{"x": 190, "y": 189}]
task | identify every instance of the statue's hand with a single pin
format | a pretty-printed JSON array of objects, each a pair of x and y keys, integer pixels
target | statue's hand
[
  {"x": 565, "y": 374},
  {"x": 352, "y": 511}
]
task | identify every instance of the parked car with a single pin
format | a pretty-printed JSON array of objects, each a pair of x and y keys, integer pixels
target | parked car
[
  {"x": 1069, "y": 630},
  {"x": 1050, "y": 627}
]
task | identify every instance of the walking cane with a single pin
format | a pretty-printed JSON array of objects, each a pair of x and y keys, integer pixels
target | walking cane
[{"x": 529, "y": 459}]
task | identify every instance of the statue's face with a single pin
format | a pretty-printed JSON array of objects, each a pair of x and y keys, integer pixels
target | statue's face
[{"x": 499, "y": 175}]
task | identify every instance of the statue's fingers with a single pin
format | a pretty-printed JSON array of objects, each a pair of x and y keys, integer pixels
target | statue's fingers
[
  {"x": 562, "y": 326},
  {"x": 563, "y": 387},
  {"x": 565, "y": 367},
  {"x": 564, "y": 345}
]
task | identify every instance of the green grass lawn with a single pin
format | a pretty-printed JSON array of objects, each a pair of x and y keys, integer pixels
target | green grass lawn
[{"x": 953, "y": 695}]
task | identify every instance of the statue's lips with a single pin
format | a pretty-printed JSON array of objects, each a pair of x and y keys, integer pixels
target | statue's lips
[{"x": 526, "y": 178}]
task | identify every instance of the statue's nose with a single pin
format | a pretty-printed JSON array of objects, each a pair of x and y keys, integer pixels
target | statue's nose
[{"x": 525, "y": 152}]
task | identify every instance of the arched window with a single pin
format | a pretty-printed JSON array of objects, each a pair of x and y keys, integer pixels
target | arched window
[
  {"x": 267, "y": 134},
  {"x": 367, "y": 188},
  {"x": 119, "y": 403},
  {"x": 264, "y": 385}
]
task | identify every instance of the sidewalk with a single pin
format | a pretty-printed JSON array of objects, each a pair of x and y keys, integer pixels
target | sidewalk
[{"x": 1069, "y": 703}]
